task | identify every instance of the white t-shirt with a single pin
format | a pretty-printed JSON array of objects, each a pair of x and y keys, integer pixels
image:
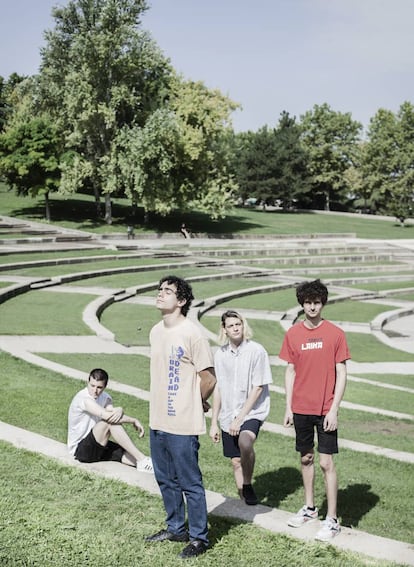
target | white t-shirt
[
  {"x": 80, "y": 422},
  {"x": 237, "y": 372}
]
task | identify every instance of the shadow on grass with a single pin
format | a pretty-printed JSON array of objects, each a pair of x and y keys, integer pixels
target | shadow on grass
[
  {"x": 83, "y": 213},
  {"x": 354, "y": 502},
  {"x": 273, "y": 487}
]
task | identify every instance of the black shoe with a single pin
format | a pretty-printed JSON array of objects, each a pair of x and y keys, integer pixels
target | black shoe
[
  {"x": 249, "y": 495},
  {"x": 165, "y": 535},
  {"x": 193, "y": 549}
]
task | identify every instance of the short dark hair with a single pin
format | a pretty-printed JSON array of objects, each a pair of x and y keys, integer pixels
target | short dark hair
[
  {"x": 311, "y": 291},
  {"x": 184, "y": 291},
  {"x": 99, "y": 375}
]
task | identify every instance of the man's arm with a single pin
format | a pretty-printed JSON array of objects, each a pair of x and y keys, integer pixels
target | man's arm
[
  {"x": 113, "y": 416},
  {"x": 207, "y": 385},
  {"x": 331, "y": 419},
  {"x": 252, "y": 398},
  {"x": 214, "y": 428},
  {"x": 290, "y": 375}
]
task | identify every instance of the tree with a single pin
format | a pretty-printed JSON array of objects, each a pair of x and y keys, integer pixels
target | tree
[
  {"x": 330, "y": 139},
  {"x": 388, "y": 163},
  {"x": 271, "y": 163},
  {"x": 100, "y": 73},
  {"x": 29, "y": 158},
  {"x": 179, "y": 158}
]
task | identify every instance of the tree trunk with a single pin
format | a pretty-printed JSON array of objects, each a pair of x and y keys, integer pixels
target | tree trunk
[
  {"x": 47, "y": 207},
  {"x": 108, "y": 209},
  {"x": 327, "y": 202},
  {"x": 97, "y": 200}
]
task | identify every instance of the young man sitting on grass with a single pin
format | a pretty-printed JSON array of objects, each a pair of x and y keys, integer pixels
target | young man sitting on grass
[{"x": 92, "y": 420}]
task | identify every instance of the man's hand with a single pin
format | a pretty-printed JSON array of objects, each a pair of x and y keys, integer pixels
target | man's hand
[
  {"x": 116, "y": 416},
  {"x": 206, "y": 407},
  {"x": 138, "y": 426},
  {"x": 288, "y": 420},
  {"x": 215, "y": 433},
  {"x": 235, "y": 425},
  {"x": 330, "y": 423}
]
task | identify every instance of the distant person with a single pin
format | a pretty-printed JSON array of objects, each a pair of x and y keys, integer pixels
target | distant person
[
  {"x": 316, "y": 352},
  {"x": 130, "y": 233},
  {"x": 185, "y": 231},
  {"x": 241, "y": 400},
  {"x": 182, "y": 380},
  {"x": 92, "y": 420}
]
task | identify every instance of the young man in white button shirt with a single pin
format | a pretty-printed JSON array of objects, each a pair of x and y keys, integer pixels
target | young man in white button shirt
[{"x": 241, "y": 400}]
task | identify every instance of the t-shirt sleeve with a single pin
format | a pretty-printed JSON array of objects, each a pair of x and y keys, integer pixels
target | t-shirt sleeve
[
  {"x": 286, "y": 350},
  {"x": 202, "y": 354},
  {"x": 342, "y": 351}
]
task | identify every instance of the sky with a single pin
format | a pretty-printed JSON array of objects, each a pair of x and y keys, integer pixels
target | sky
[{"x": 269, "y": 56}]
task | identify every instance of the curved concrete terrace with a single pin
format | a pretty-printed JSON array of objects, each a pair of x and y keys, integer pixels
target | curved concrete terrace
[{"x": 269, "y": 518}]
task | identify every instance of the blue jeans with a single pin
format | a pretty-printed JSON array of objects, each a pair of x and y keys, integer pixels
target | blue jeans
[{"x": 175, "y": 461}]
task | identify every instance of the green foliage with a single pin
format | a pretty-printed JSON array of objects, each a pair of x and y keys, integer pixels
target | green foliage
[
  {"x": 270, "y": 164},
  {"x": 29, "y": 156},
  {"x": 388, "y": 162},
  {"x": 330, "y": 139}
]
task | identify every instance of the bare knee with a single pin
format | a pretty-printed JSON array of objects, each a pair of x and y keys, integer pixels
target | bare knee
[
  {"x": 236, "y": 463},
  {"x": 246, "y": 441},
  {"x": 307, "y": 459},
  {"x": 326, "y": 463}
]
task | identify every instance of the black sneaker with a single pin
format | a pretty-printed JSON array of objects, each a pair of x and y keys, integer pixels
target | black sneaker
[
  {"x": 165, "y": 535},
  {"x": 249, "y": 495},
  {"x": 193, "y": 549}
]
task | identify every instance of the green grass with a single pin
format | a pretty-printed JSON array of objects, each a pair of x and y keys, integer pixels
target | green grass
[
  {"x": 44, "y": 313},
  {"x": 78, "y": 212},
  {"x": 354, "y": 311},
  {"x": 404, "y": 380},
  {"x": 366, "y": 348},
  {"x": 381, "y": 507},
  {"x": 385, "y": 398},
  {"x": 49, "y": 517}
]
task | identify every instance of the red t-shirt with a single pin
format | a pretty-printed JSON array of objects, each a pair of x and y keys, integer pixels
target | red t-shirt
[{"x": 314, "y": 354}]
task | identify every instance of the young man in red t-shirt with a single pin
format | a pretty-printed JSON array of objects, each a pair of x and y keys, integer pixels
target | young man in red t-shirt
[{"x": 316, "y": 352}]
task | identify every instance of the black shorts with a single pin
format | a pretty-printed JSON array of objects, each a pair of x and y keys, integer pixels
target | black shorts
[
  {"x": 305, "y": 434},
  {"x": 231, "y": 442},
  {"x": 90, "y": 451}
]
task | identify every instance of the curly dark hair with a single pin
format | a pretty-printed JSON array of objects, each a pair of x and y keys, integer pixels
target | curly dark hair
[
  {"x": 184, "y": 291},
  {"x": 311, "y": 291}
]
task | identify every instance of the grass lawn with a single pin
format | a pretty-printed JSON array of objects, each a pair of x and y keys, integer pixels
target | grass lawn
[
  {"x": 48, "y": 513},
  {"x": 44, "y": 313},
  {"x": 78, "y": 212},
  {"x": 381, "y": 506},
  {"x": 385, "y": 398},
  {"x": 404, "y": 380}
]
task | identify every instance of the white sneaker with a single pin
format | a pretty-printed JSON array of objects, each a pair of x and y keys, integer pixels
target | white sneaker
[
  {"x": 330, "y": 528},
  {"x": 304, "y": 516},
  {"x": 145, "y": 465}
]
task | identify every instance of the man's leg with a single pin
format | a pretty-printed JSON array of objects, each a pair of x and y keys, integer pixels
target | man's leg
[
  {"x": 308, "y": 476},
  {"x": 167, "y": 479},
  {"x": 238, "y": 474},
  {"x": 247, "y": 455},
  {"x": 184, "y": 451},
  {"x": 331, "y": 483},
  {"x": 103, "y": 430}
]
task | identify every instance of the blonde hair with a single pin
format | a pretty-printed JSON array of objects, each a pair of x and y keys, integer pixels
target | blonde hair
[{"x": 247, "y": 332}]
